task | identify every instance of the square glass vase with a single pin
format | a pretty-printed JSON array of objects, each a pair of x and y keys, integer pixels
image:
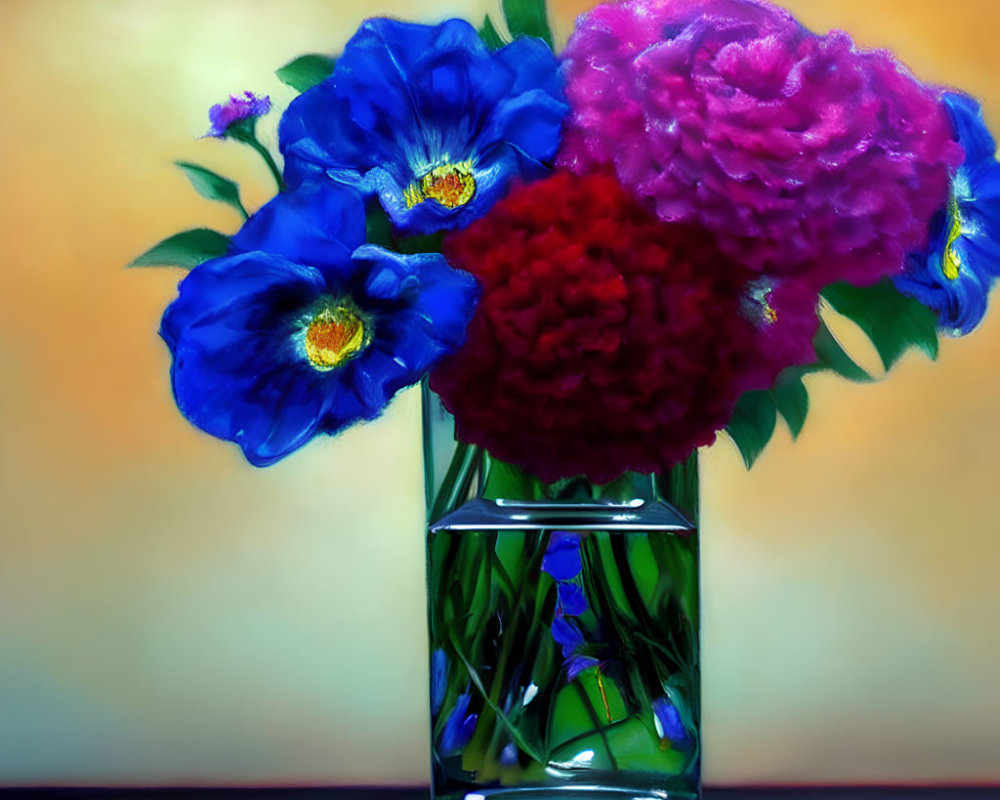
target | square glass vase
[{"x": 564, "y": 629}]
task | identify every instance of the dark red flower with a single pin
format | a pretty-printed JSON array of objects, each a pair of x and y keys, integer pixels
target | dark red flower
[{"x": 605, "y": 339}]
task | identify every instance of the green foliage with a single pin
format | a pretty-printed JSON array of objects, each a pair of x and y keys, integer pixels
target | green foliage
[
  {"x": 830, "y": 355},
  {"x": 791, "y": 399},
  {"x": 186, "y": 250},
  {"x": 378, "y": 228},
  {"x": 752, "y": 425},
  {"x": 510, "y": 481},
  {"x": 755, "y": 418},
  {"x": 213, "y": 186},
  {"x": 893, "y": 321},
  {"x": 306, "y": 71},
  {"x": 490, "y": 35},
  {"x": 527, "y": 18},
  {"x": 411, "y": 245}
]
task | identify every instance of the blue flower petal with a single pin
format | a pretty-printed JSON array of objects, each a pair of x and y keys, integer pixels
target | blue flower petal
[
  {"x": 508, "y": 756},
  {"x": 446, "y": 300},
  {"x": 318, "y": 115},
  {"x": 534, "y": 66},
  {"x": 441, "y": 299},
  {"x": 390, "y": 275},
  {"x": 668, "y": 721},
  {"x": 532, "y": 123},
  {"x": 458, "y": 728},
  {"x": 562, "y": 557},
  {"x": 572, "y": 600},
  {"x": 566, "y": 634},
  {"x": 344, "y": 407},
  {"x": 439, "y": 678},
  {"x": 319, "y": 224},
  {"x": 577, "y": 664},
  {"x": 970, "y": 128}
]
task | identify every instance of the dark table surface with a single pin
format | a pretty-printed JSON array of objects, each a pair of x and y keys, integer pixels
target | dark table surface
[{"x": 421, "y": 793}]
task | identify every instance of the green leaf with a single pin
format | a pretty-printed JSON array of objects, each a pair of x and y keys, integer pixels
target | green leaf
[
  {"x": 187, "y": 249},
  {"x": 791, "y": 399},
  {"x": 527, "y": 18},
  {"x": 893, "y": 321},
  {"x": 490, "y": 35},
  {"x": 411, "y": 245},
  {"x": 752, "y": 425},
  {"x": 213, "y": 186},
  {"x": 509, "y": 482},
  {"x": 830, "y": 355},
  {"x": 306, "y": 71},
  {"x": 378, "y": 228}
]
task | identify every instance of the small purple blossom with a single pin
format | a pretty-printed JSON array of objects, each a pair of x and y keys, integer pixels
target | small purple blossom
[
  {"x": 805, "y": 155},
  {"x": 237, "y": 109}
]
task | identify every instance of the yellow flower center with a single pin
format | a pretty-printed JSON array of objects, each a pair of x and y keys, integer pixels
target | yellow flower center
[
  {"x": 452, "y": 185},
  {"x": 952, "y": 263},
  {"x": 336, "y": 334}
]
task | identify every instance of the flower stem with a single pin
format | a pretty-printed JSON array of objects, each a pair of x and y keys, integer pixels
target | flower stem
[
  {"x": 478, "y": 683},
  {"x": 598, "y": 725},
  {"x": 510, "y": 635},
  {"x": 269, "y": 160},
  {"x": 457, "y": 480},
  {"x": 425, "y": 412}
]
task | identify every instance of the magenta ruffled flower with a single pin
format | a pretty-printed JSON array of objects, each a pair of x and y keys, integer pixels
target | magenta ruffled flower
[
  {"x": 804, "y": 155},
  {"x": 237, "y": 109}
]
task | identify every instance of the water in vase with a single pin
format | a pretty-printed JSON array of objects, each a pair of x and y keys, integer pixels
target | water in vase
[{"x": 564, "y": 650}]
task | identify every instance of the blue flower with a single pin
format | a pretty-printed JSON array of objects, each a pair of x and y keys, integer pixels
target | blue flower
[
  {"x": 429, "y": 119},
  {"x": 570, "y": 598},
  {"x": 562, "y": 556},
  {"x": 954, "y": 275},
  {"x": 667, "y": 720},
  {"x": 458, "y": 728},
  {"x": 569, "y": 638},
  {"x": 303, "y": 329}
]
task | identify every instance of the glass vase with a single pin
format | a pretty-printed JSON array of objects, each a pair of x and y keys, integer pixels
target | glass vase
[{"x": 564, "y": 632}]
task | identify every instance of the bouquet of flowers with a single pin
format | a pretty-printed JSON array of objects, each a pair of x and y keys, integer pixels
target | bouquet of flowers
[{"x": 595, "y": 260}]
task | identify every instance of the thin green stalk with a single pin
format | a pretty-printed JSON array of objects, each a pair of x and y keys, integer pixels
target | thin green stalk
[
  {"x": 478, "y": 683},
  {"x": 457, "y": 480},
  {"x": 510, "y": 634},
  {"x": 598, "y": 725},
  {"x": 506, "y": 584},
  {"x": 425, "y": 415},
  {"x": 585, "y": 734},
  {"x": 605, "y": 606},
  {"x": 254, "y": 142}
]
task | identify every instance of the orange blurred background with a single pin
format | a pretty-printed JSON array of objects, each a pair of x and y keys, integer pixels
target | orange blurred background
[{"x": 171, "y": 615}]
